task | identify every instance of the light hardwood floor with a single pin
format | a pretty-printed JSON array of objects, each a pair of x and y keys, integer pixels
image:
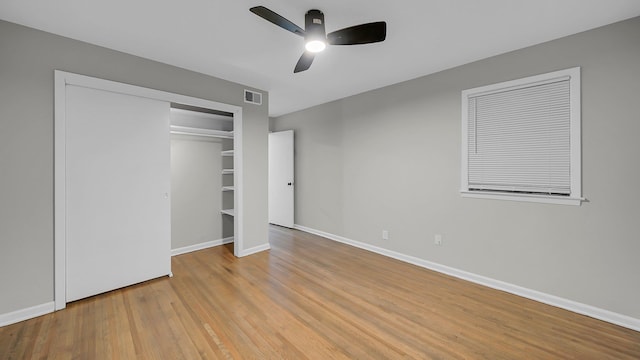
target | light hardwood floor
[{"x": 309, "y": 297}]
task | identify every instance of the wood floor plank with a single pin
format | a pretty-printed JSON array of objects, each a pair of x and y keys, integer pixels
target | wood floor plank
[{"x": 311, "y": 298}]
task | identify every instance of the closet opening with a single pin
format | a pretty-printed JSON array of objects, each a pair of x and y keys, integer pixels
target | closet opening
[{"x": 202, "y": 178}]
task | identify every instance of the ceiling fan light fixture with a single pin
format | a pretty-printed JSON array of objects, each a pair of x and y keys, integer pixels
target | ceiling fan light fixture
[
  {"x": 315, "y": 45},
  {"x": 315, "y": 37}
]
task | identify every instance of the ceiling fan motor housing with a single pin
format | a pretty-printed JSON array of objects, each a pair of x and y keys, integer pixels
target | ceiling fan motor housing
[{"x": 314, "y": 26}]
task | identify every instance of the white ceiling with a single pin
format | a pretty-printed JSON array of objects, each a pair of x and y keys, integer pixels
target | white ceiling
[{"x": 223, "y": 39}]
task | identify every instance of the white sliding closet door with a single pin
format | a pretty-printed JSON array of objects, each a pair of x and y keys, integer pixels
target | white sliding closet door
[{"x": 117, "y": 191}]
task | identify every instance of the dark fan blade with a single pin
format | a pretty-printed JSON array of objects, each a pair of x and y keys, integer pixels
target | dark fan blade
[
  {"x": 359, "y": 34},
  {"x": 269, "y": 15},
  {"x": 305, "y": 61}
]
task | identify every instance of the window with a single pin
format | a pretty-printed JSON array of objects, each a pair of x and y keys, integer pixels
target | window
[{"x": 521, "y": 139}]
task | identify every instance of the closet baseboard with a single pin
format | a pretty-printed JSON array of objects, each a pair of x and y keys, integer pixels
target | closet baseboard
[{"x": 204, "y": 245}]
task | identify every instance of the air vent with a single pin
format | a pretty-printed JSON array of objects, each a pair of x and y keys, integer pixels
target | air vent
[{"x": 252, "y": 97}]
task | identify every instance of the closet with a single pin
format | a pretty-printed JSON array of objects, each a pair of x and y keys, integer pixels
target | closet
[{"x": 112, "y": 188}]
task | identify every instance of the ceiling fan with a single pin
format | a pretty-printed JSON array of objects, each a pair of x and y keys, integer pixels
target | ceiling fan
[{"x": 316, "y": 39}]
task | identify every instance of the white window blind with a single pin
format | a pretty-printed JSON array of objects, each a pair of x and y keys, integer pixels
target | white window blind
[
  {"x": 521, "y": 137},
  {"x": 519, "y": 140}
]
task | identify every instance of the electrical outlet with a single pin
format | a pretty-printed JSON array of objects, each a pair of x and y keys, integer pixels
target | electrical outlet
[
  {"x": 385, "y": 235},
  {"x": 437, "y": 239}
]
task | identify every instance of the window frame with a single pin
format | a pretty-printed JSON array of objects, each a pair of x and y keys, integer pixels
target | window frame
[{"x": 575, "y": 147}]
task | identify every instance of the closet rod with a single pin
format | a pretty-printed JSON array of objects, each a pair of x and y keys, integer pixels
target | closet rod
[{"x": 184, "y": 130}]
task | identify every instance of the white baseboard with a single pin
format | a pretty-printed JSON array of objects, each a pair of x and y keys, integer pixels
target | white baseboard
[
  {"x": 26, "y": 314},
  {"x": 255, "y": 249},
  {"x": 580, "y": 308},
  {"x": 204, "y": 245}
]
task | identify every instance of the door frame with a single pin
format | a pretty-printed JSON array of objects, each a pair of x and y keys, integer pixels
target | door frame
[{"x": 61, "y": 80}]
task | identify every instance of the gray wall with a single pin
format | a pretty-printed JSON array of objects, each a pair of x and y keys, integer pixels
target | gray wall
[
  {"x": 27, "y": 60},
  {"x": 390, "y": 159}
]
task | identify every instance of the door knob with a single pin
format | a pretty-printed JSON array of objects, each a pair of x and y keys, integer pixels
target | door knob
[{"x": 289, "y": 184}]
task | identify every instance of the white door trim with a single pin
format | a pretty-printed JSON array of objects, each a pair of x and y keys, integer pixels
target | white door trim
[{"x": 61, "y": 80}]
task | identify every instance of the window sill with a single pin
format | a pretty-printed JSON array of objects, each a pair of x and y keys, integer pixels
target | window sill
[{"x": 548, "y": 199}]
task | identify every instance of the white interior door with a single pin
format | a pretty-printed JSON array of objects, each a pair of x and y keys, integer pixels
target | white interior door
[
  {"x": 117, "y": 191},
  {"x": 281, "y": 178}
]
